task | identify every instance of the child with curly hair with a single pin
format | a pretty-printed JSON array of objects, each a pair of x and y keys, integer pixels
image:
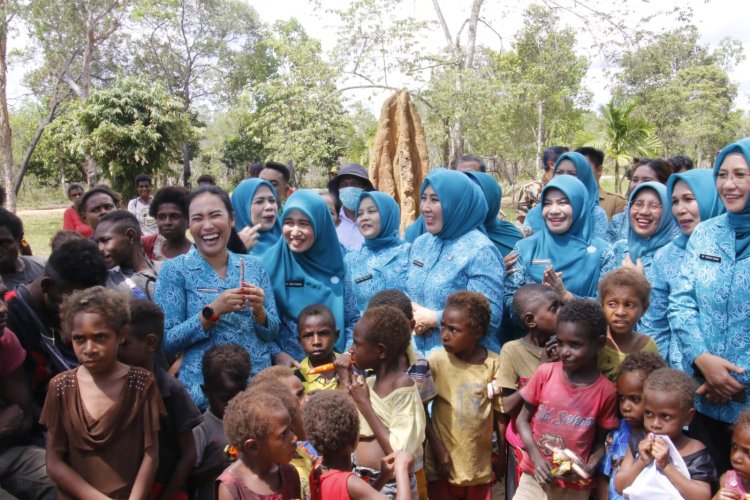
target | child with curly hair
[
  {"x": 332, "y": 425},
  {"x": 102, "y": 418},
  {"x": 258, "y": 425}
]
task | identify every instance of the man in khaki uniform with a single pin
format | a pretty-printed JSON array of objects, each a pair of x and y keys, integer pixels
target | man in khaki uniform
[
  {"x": 529, "y": 195},
  {"x": 612, "y": 203}
]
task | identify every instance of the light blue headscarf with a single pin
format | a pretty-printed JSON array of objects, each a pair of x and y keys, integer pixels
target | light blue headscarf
[
  {"x": 415, "y": 230},
  {"x": 575, "y": 253},
  {"x": 242, "y": 198},
  {"x": 461, "y": 201},
  {"x": 584, "y": 174},
  {"x": 701, "y": 183},
  {"x": 502, "y": 233},
  {"x": 738, "y": 221},
  {"x": 315, "y": 276},
  {"x": 665, "y": 232},
  {"x": 390, "y": 220}
]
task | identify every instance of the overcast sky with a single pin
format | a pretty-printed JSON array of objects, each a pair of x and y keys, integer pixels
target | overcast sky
[{"x": 716, "y": 19}]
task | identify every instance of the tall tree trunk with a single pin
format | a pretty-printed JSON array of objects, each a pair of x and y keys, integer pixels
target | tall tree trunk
[
  {"x": 186, "y": 165},
  {"x": 539, "y": 133},
  {"x": 6, "y": 134}
]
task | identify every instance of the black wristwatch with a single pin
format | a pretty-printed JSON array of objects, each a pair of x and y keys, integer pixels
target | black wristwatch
[{"x": 209, "y": 314}]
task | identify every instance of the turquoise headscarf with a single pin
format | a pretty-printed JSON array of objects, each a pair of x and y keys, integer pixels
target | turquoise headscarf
[
  {"x": 575, "y": 253},
  {"x": 585, "y": 175},
  {"x": 646, "y": 247},
  {"x": 242, "y": 198},
  {"x": 701, "y": 183},
  {"x": 315, "y": 276},
  {"x": 461, "y": 201},
  {"x": 502, "y": 233},
  {"x": 390, "y": 220},
  {"x": 415, "y": 230},
  {"x": 738, "y": 221}
]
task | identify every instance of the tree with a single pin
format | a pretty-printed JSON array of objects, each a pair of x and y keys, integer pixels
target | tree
[
  {"x": 7, "y": 13},
  {"x": 622, "y": 135},
  {"x": 295, "y": 116},
  {"x": 131, "y": 128},
  {"x": 684, "y": 90},
  {"x": 201, "y": 50}
]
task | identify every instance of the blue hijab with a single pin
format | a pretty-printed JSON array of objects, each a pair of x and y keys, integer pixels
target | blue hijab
[
  {"x": 461, "y": 201},
  {"x": 646, "y": 247},
  {"x": 502, "y": 233},
  {"x": 575, "y": 253},
  {"x": 315, "y": 276},
  {"x": 585, "y": 174},
  {"x": 242, "y": 198},
  {"x": 738, "y": 221},
  {"x": 390, "y": 220},
  {"x": 415, "y": 230},
  {"x": 701, "y": 183}
]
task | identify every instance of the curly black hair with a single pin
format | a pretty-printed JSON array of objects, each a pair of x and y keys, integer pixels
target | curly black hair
[
  {"x": 586, "y": 312},
  {"x": 77, "y": 264},
  {"x": 642, "y": 362},
  {"x": 248, "y": 416},
  {"x": 111, "y": 305},
  {"x": 476, "y": 306},
  {"x": 224, "y": 361},
  {"x": 62, "y": 237},
  {"x": 669, "y": 380},
  {"x": 273, "y": 373},
  {"x": 331, "y": 421},
  {"x": 176, "y": 195},
  {"x": 101, "y": 188},
  {"x": 393, "y": 298},
  {"x": 743, "y": 421},
  {"x": 146, "y": 318},
  {"x": 630, "y": 278},
  {"x": 528, "y": 296},
  {"x": 316, "y": 310},
  {"x": 11, "y": 221},
  {"x": 279, "y": 390},
  {"x": 388, "y": 326}
]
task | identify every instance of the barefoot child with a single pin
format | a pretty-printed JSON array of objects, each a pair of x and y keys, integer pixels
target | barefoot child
[
  {"x": 668, "y": 407},
  {"x": 567, "y": 404},
  {"x": 459, "y": 460},
  {"x": 391, "y": 412},
  {"x": 332, "y": 424},
  {"x": 624, "y": 296},
  {"x": 317, "y": 333},
  {"x": 631, "y": 376},
  {"x": 102, "y": 418},
  {"x": 735, "y": 483},
  {"x": 259, "y": 427},
  {"x": 536, "y": 306}
]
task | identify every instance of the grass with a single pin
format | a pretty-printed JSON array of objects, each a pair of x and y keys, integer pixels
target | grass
[{"x": 40, "y": 226}]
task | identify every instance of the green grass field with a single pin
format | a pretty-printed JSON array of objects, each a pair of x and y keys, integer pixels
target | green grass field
[{"x": 40, "y": 226}]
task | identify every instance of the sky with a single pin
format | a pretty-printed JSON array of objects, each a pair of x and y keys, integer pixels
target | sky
[{"x": 716, "y": 19}]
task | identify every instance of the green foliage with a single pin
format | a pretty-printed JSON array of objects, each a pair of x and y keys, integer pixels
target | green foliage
[
  {"x": 684, "y": 90},
  {"x": 130, "y": 128}
]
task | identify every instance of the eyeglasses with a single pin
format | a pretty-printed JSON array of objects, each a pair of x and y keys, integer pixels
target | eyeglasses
[{"x": 640, "y": 205}]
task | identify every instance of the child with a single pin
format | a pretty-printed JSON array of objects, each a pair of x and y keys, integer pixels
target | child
[
  {"x": 226, "y": 368},
  {"x": 142, "y": 342},
  {"x": 283, "y": 375},
  {"x": 624, "y": 296},
  {"x": 392, "y": 417},
  {"x": 567, "y": 404},
  {"x": 735, "y": 483},
  {"x": 102, "y": 418},
  {"x": 668, "y": 407},
  {"x": 414, "y": 364},
  {"x": 460, "y": 429},
  {"x": 118, "y": 235},
  {"x": 259, "y": 427},
  {"x": 631, "y": 376},
  {"x": 332, "y": 423},
  {"x": 536, "y": 306},
  {"x": 317, "y": 335}
]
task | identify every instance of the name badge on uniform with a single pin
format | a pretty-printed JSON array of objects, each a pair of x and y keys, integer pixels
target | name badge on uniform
[
  {"x": 295, "y": 284},
  {"x": 417, "y": 263},
  {"x": 539, "y": 262},
  {"x": 711, "y": 258},
  {"x": 362, "y": 279}
]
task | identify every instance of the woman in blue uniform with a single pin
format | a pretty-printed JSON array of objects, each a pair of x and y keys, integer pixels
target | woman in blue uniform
[{"x": 255, "y": 204}]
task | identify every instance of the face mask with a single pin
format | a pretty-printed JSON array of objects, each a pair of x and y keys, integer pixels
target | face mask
[{"x": 349, "y": 196}]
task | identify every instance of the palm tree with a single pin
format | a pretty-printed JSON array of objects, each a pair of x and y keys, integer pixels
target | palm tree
[{"x": 622, "y": 136}]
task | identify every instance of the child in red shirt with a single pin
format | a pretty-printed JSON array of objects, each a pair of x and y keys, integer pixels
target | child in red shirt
[{"x": 567, "y": 404}]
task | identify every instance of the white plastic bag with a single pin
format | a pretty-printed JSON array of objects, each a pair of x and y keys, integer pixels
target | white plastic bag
[{"x": 651, "y": 483}]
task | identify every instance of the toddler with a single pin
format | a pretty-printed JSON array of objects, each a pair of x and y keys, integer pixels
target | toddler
[
  {"x": 102, "y": 417},
  {"x": 735, "y": 483}
]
